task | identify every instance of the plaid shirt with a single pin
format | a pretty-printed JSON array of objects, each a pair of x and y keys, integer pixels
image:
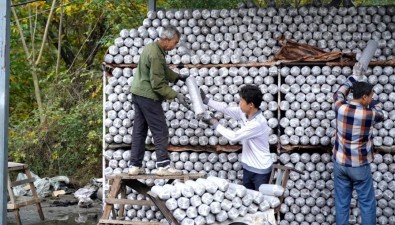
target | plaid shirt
[{"x": 353, "y": 145}]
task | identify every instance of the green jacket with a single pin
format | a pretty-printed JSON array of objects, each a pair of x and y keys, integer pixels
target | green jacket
[{"x": 152, "y": 77}]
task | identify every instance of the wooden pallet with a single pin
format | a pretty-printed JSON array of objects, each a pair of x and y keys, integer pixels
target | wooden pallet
[{"x": 118, "y": 186}]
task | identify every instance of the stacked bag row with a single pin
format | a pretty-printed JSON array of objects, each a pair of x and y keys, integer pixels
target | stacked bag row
[
  {"x": 307, "y": 110},
  {"x": 309, "y": 198},
  {"x": 300, "y": 103},
  {"x": 222, "y": 36},
  {"x": 223, "y": 165}
]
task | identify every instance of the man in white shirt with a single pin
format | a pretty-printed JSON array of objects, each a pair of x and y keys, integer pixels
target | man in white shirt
[{"x": 253, "y": 134}]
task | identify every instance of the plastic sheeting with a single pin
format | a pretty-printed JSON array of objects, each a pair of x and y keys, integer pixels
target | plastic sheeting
[
  {"x": 271, "y": 189},
  {"x": 194, "y": 92}
]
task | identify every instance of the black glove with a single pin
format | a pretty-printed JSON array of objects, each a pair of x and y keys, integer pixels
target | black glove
[
  {"x": 182, "y": 77},
  {"x": 180, "y": 66},
  {"x": 209, "y": 119},
  {"x": 182, "y": 100},
  {"x": 202, "y": 95},
  {"x": 358, "y": 72}
]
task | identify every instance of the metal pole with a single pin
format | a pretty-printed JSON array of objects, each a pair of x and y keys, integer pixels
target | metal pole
[
  {"x": 104, "y": 184},
  {"x": 152, "y": 5},
  {"x": 4, "y": 100}
]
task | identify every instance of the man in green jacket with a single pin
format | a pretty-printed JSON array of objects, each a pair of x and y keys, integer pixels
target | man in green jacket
[{"x": 149, "y": 88}]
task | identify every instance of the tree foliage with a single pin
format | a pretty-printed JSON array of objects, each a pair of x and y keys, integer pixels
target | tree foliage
[{"x": 68, "y": 142}]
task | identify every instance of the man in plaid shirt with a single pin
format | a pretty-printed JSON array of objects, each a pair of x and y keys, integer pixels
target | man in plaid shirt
[{"x": 353, "y": 149}]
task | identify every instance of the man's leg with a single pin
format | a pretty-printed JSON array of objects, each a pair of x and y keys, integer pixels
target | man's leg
[
  {"x": 156, "y": 121},
  {"x": 247, "y": 179},
  {"x": 140, "y": 129},
  {"x": 343, "y": 192},
  {"x": 260, "y": 179},
  {"x": 363, "y": 183}
]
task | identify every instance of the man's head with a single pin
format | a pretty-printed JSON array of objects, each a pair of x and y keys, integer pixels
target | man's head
[
  {"x": 169, "y": 38},
  {"x": 362, "y": 92},
  {"x": 250, "y": 97}
]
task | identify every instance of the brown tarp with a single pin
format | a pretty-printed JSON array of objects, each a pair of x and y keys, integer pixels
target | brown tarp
[{"x": 292, "y": 51}]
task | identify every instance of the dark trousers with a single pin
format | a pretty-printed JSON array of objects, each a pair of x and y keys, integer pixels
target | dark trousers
[
  {"x": 148, "y": 113},
  {"x": 253, "y": 180}
]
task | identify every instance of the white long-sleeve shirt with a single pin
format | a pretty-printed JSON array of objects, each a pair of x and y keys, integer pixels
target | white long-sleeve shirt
[{"x": 253, "y": 134}]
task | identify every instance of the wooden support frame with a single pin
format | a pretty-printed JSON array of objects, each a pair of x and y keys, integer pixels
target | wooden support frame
[{"x": 118, "y": 187}]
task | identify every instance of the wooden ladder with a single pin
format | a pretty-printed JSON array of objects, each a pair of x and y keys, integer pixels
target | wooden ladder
[
  {"x": 118, "y": 186},
  {"x": 17, "y": 202},
  {"x": 280, "y": 176}
]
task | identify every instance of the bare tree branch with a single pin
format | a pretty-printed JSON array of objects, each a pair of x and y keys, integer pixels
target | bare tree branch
[
  {"x": 20, "y": 33},
  {"x": 46, "y": 32},
  {"x": 59, "y": 36}
]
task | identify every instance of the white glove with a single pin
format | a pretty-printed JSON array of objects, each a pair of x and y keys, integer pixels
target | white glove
[{"x": 358, "y": 72}]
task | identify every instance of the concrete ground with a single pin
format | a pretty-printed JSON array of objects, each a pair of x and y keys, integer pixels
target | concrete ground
[{"x": 59, "y": 211}]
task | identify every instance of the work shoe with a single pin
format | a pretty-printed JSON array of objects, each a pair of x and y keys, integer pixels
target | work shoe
[
  {"x": 135, "y": 170},
  {"x": 168, "y": 170}
]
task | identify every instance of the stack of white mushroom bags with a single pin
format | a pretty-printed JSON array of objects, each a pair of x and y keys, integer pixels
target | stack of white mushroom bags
[
  {"x": 222, "y": 165},
  {"x": 310, "y": 197},
  {"x": 249, "y": 34},
  {"x": 297, "y": 101},
  {"x": 307, "y": 116},
  {"x": 206, "y": 201},
  {"x": 306, "y": 103},
  {"x": 246, "y": 35}
]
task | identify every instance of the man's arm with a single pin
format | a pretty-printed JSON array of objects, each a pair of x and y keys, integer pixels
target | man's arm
[
  {"x": 171, "y": 75},
  {"x": 233, "y": 112},
  {"x": 340, "y": 95},
  {"x": 248, "y": 131},
  {"x": 158, "y": 79},
  {"x": 376, "y": 107}
]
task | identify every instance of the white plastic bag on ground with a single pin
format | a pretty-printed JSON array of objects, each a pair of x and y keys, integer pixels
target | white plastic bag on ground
[
  {"x": 43, "y": 186},
  {"x": 57, "y": 181},
  {"x": 85, "y": 192}
]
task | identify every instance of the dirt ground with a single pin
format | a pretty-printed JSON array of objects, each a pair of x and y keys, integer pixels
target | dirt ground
[{"x": 59, "y": 211}]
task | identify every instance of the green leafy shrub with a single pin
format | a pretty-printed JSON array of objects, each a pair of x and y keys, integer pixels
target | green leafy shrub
[{"x": 69, "y": 141}]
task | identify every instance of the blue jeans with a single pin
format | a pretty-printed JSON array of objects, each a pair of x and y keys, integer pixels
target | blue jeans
[
  {"x": 360, "y": 178},
  {"x": 253, "y": 180}
]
